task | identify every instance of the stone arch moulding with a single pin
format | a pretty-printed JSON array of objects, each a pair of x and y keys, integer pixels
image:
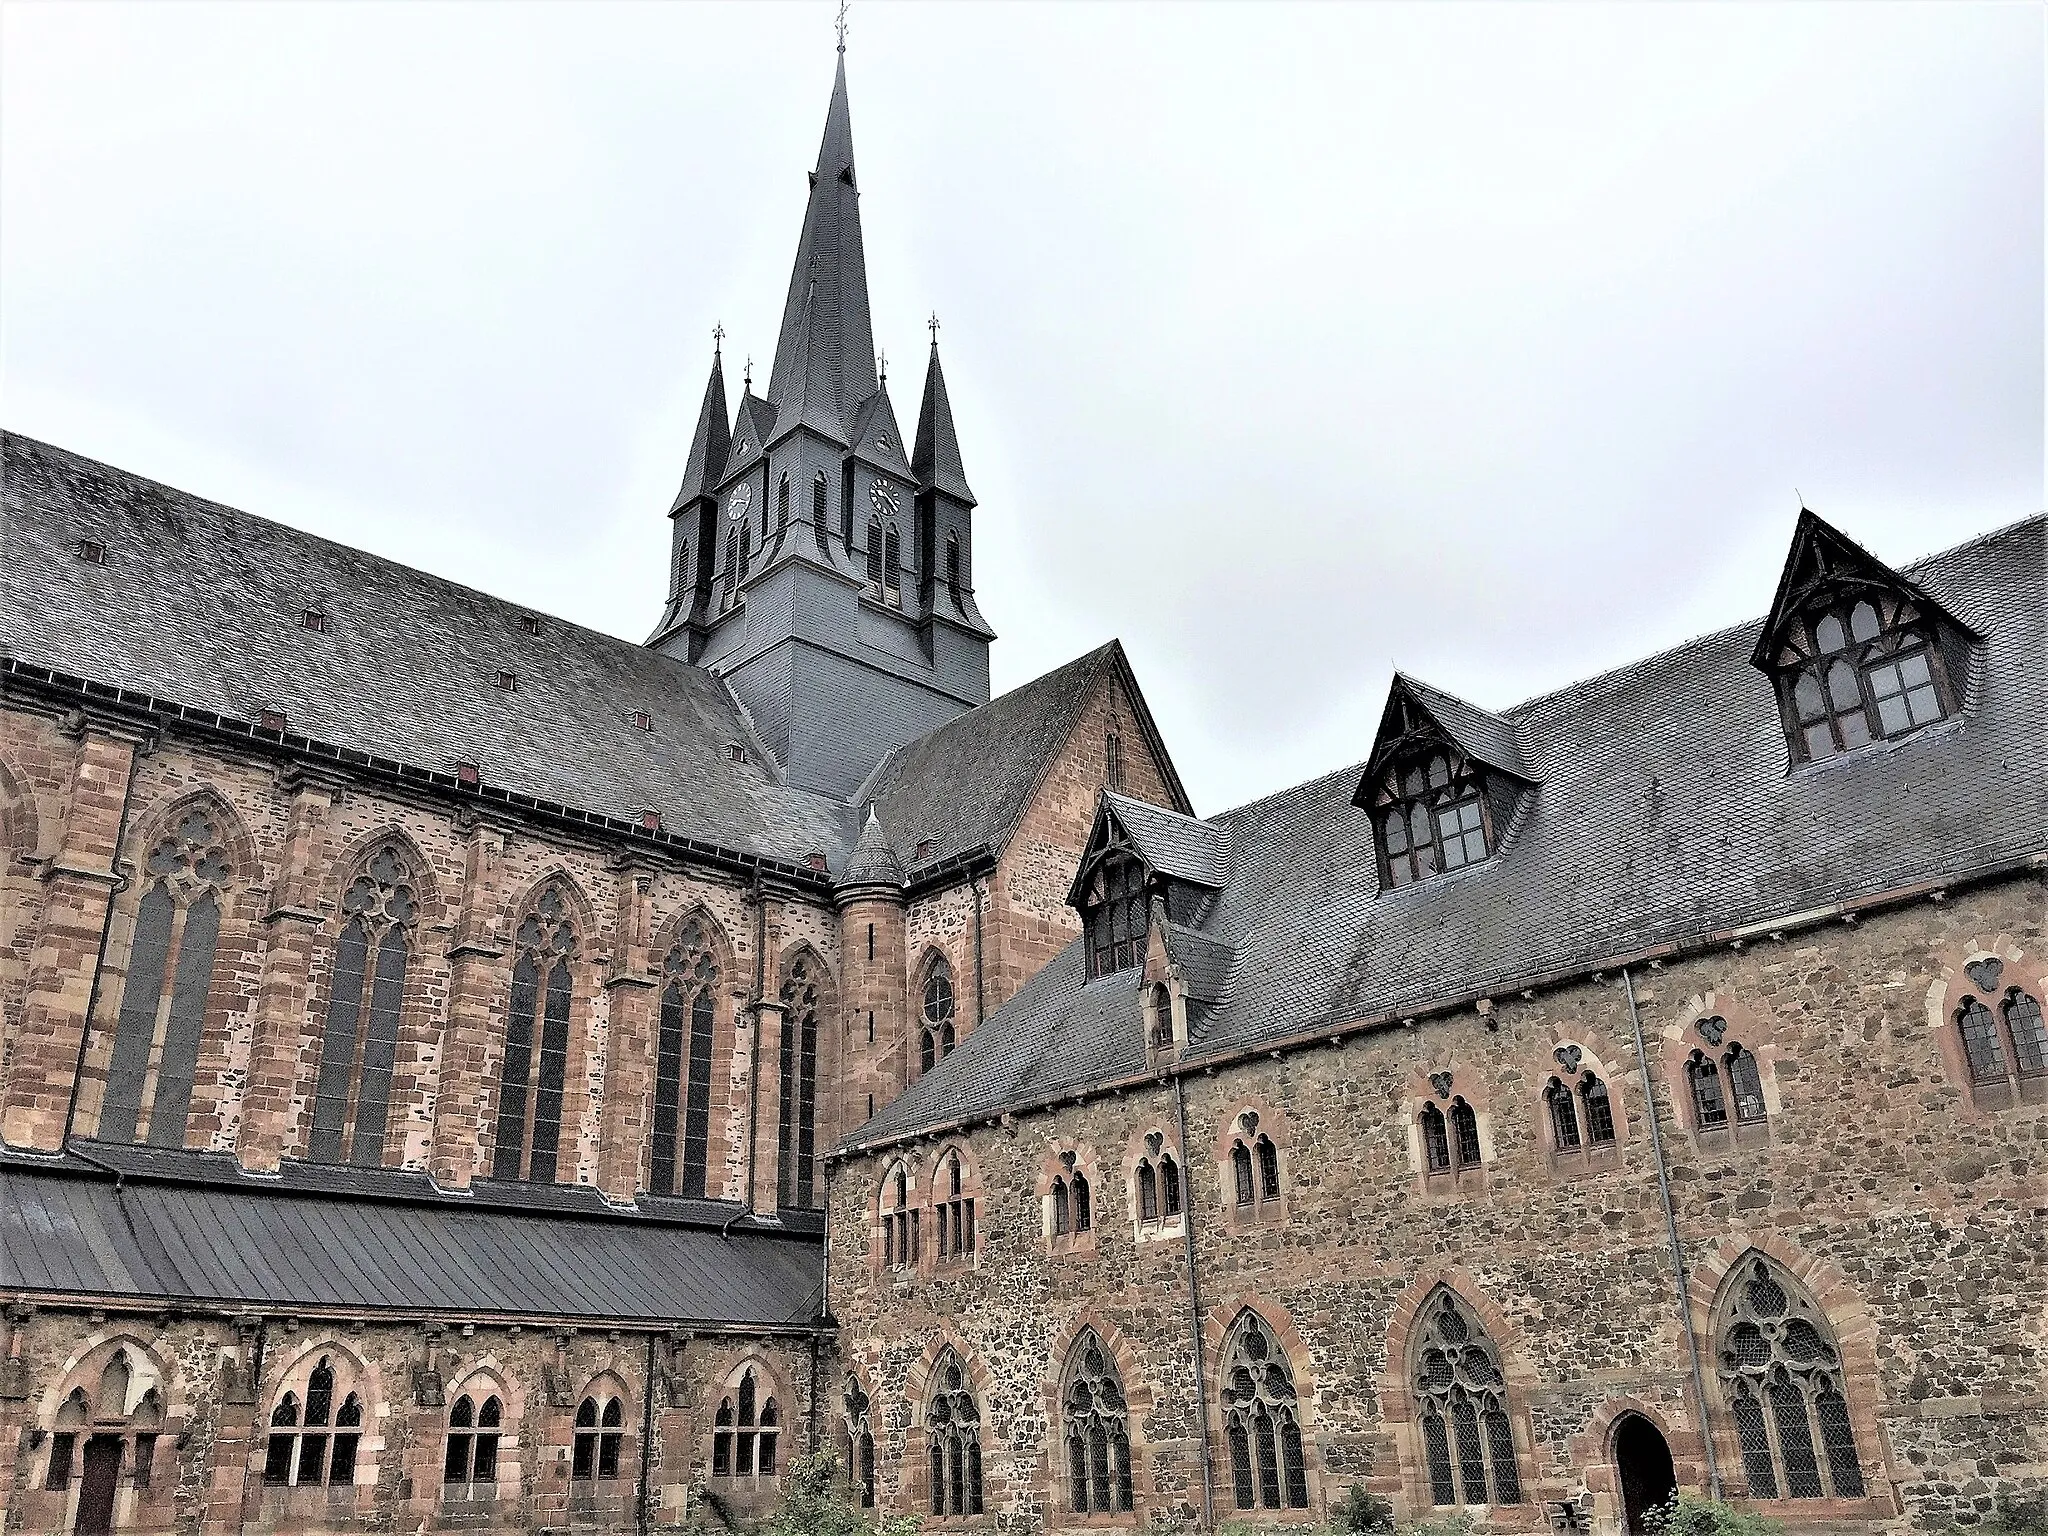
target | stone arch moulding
[
  {"x": 1855, "y": 1329},
  {"x": 1755, "y": 1031},
  {"x": 582, "y": 913},
  {"x": 349, "y": 862},
  {"x": 670, "y": 935},
  {"x": 245, "y": 865},
  {"x": 914, "y": 1474},
  {"x": 1138, "y": 1401},
  {"x": 1596, "y": 1056},
  {"x": 367, "y": 1382},
  {"x": 1217, "y": 1326},
  {"x": 21, "y": 818},
  {"x": 1592, "y": 1447},
  {"x": 488, "y": 1376},
  {"x": 151, "y": 1367},
  {"x": 1397, "y": 1401},
  {"x": 2013, "y": 967}
]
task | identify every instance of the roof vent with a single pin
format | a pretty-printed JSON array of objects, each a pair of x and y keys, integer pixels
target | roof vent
[
  {"x": 817, "y": 862},
  {"x": 271, "y": 720},
  {"x": 92, "y": 551},
  {"x": 468, "y": 775},
  {"x": 314, "y": 619},
  {"x": 509, "y": 681},
  {"x": 644, "y": 720},
  {"x": 924, "y": 848},
  {"x": 650, "y": 821},
  {"x": 529, "y": 623},
  {"x": 735, "y": 751}
]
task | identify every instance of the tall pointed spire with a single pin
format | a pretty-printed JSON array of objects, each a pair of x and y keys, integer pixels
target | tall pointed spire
[
  {"x": 825, "y": 353},
  {"x": 713, "y": 440},
  {"x": 936, "y": 459}
]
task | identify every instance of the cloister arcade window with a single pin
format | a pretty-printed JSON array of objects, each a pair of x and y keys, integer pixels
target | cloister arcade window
[
  {"x": 2003, "y": 1036},
  {"x": 1724, "y": 1082},
  {"x": 935, "y": 1037},
  {"x": 1073, "y": 1203},
  {"x": 530, "y": 1084},
  {"x": 746, "y": 1433},
  {"x": 858, "y": 1441},
  {"x": 1581, "y": 1109},
  {"x": 953, "y": 1440},
  {"x": 177, "y": 927},
  {"x": 1158, "y": 1182},
  {"x": 315, "y": 1430},
  {"x": 366, "y": 994},
  {"x": 1261, "y": 1420},
  {"x": 100, "y": 1433},
  {"x": 599, "y": 1434},
  {"x": 469, "y": 1465},
  {"x": 798, "y": 1116},
  {"x": 1468, "y": 1443},
  {"x": 954, "y": 1212},
  {"x": 1781, "y": 1376},
  {"x": 1097, "y": 1431},
  {"x": 1115, "y": 916},
  {"x": 899, "y": 1221},
  {"x": 682, "y": 1094}
]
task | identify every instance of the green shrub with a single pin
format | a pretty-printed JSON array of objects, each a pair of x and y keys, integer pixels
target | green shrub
[
  {"x": 1456, "y": 1523},
  {"x": 815, "y": 1503},
  {"x": 1360, "y": 1513},
  {"x": 1687, "y": 1514},
  {"x": 2017, "y": 1517}
]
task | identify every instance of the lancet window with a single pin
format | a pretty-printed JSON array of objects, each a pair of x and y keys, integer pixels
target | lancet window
[
  {"x": 935, "y": 1036},
  {"x": 530, "y": 1084},
  {"x": 746, "y": 1433},
  {"x": 366, "y": 994},
  {"x": 599, "y": 1435},
  {"x": 2002, "y": 1033},
  {"x": 1158, "y": 1181},
  {"x": 1468, "y": 1443},
  {"x": 818, "y": 511},
  {"x": 1724, "y": 1081},
  {"x": 953, "y": 1440},
  {"x": 469, "y": 1465},
  {"x": 798, "y": 1117},
  {"x": 682, "y": 1066},
  {"x": 1261, "y": 1420},
  {"x": 900, "y": 1221},
  {"x": 1581, "y": 1110},
  {"x": 954, "y": 1211},
  {"x": 1781, "y": 1377},
  {"x": 315, "y": 1430},
  {"x": 177, "y": 927},
  {"x": 858, "y": 1441},
  {"x": 1097, "y": 1431}
]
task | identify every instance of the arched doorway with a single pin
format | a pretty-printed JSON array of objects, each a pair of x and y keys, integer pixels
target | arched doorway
[{"x": 1642, "y": 1462}]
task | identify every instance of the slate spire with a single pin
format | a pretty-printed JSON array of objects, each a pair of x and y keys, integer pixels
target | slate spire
[
  {"x": 825, "y": 353},
  {"x": 936, "y": 459},
  {"x": 712, "y": 442}
]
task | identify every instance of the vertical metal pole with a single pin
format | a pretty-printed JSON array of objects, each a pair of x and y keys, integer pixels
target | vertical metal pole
[{"x": 1692, "y": 1343}]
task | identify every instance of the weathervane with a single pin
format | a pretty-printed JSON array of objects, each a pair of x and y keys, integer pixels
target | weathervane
[
  {"x": 932, "y": 325},
  {"x": 748, "y": 376},
  {"x": 718, "y": 339},
  {"x": 840, "y": 26},
  {"x": 884, "y": 355}
]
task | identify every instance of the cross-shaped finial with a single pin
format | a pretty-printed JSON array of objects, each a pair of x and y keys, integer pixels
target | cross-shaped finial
[
  {"x": 840, "y": 26},
  {"x": 932, "y": 325},
  {"x": 748, "y": 375},
  {"x": 718, "y": 337},
  {"x": 885, "y": 365}
]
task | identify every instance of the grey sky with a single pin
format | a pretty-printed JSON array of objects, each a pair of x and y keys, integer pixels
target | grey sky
[{"x": 1288, "y": 343}]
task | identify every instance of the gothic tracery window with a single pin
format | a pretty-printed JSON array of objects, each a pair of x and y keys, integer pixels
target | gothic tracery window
[
  {"x": 1158, "y": 1184},
  {"x": 1724, "y": 1081},
  {"x": 315, "y": 1430},
  {"x": 953, "y": 1440},
  {"x": 531, "y": 1082},
  {"x": 176, "y": 929},
  {"x": 1581, "y": 1110},
  {"x": 859, "y": 1441},
  {"x": 954, "y": 1211},
  {"x": 1073, "y": 1209},
  {"x": 366, "y": 993},
  {"x": 1781, "y": 1377},
  {"x": 2003, "y": 1035},
  {"x": 597, "y": 1439},
  {"x": 798, "y": 1116},
  {"x": 682, "y": 1076},
  {"x": 469, "y": 1463},
  {"x": 1096, "y": 1428},
  {"x": 746, "y": 1433},
  {"x": 900, "y": 1221},
  {"x": 935, "y": 1037},
  {"x": 1468, "y": 1442},
  {"x": 1431, "y": 816},
  {"x": 1115, "y": 916},
  {"x": 1254, "y": 1166},
  {"x": 1853, "y": 668},
  {"x": 1261, "y": 1420}
]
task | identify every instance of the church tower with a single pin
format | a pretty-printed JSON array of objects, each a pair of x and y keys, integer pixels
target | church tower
[{"x": 819, "y": 562}]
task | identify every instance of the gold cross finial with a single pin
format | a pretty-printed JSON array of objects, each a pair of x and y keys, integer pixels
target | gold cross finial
[{"x": 840, "y": 26}]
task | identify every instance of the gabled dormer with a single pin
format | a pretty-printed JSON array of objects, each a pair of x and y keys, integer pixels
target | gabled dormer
[
  {"x": 1857, "y": 652},
  {"x": 1138, "y": 852},
  {"x": 1442, "y": 784}
]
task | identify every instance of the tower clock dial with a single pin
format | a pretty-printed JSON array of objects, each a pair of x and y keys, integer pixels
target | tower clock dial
[
  {"x": 883, "y": 496},
  {"x": 736, "y": 508}
]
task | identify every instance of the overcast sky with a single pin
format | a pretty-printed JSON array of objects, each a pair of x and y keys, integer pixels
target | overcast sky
[{"x": 1290, "y": 343}]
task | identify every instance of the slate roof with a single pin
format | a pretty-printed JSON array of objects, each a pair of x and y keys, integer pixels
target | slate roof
[
  {"x": 937, "y": 455},
  {"x": 1482, "y": 735},
  {"x": 192, "y": 1229},
  {"x": 1174, "y": 844},
  {"x": 1664, "y": 812},
  {"x": 965, "y": 786},
  {"x": 201, "y": 604}
]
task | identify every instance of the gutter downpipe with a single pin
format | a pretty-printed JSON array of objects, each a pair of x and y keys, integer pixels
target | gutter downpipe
[
  {"x": 759, "y": 897},
  {"x": 980, "y": 1006},
  {"x": 644, "y": 1517},
  {"x": 1692, "y": 1343},
  {"x": 1187, "y": 1212}
]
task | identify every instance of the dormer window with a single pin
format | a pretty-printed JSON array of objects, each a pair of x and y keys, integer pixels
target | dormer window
[
  {"x": 1856, "y": 670},
  {"x": 1115, "y": 917},
  {"x": 1431, "y": 817}
]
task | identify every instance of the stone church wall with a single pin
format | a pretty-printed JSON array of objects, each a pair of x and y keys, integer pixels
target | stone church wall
[{"x": 1911, "y": 1217}]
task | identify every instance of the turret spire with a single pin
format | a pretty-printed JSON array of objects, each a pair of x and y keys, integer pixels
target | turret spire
[
  {"x": 825, "y": 352},
  {"x": 713, "y": 438},
  {"x": 936, "y": 459}
]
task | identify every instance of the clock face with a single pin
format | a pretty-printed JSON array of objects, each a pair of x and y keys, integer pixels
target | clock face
[
  {"x": 736, "y": 508},
  {"x": 883, "y": 495}
]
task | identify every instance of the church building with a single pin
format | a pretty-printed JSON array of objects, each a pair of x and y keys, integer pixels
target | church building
[{"x": 463, "y": 1071}]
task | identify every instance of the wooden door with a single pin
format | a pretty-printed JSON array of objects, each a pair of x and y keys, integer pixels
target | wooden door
[{"x": 97, "y": 1485}]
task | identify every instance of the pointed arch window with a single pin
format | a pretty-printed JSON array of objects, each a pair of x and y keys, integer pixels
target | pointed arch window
[
  {"x": 781, "y": 509},
  {"x": 1781, "y": 1377},
  {"x": 1096, "y": 1428},
  {"x": 531, "y": 1082},
  {"x": 599, "y": 1434},
  {"x": 1158, "y": 1181},
  {"x": 799, "y": 1062},
  {"x": 892, "y": 567},
  {"x": 156, "y": 1036},
  {"x": 746, "y": 1433},
  {"x": 1724, "y": 1081},
  {"x": 935, "y": 1038},
  {"x": 953, "y": 568},
  {"x": 1853, "y": 668},
  {"x": 366, "y": 993},
  {"x": 1581, "y": 1110},
  {"x": 1073, "y": 1202},
  {"x": 954, "y": 1211},
  {"x": 680, "y": 1156},
  {"x": 314, "y": 1437},
  {"x": 1468, "y": 1442},
  {"x": 953, "y": 1440},
  {"x": 858, "y": 1441},
  {"x": 818, "y": 514},
  {"x": 2003, "y": 1036},
  {"x": 113, "y": 1411},
  {"x": 469, "y": 1465},
  {"x": 1115, "y": 916},
  {"x": 1450, "y": 1134},
  {"x": 899, "y": 1221},
  {"x": 1261, "y": 1420}
]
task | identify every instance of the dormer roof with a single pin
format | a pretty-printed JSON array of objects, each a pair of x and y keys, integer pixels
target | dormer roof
[
  {"x": 1824, "y": 562},
  {"x": 1416, "y": 712},
  {"x": 1170, "y": 843},
  {"x": 877, "y": 440}
]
